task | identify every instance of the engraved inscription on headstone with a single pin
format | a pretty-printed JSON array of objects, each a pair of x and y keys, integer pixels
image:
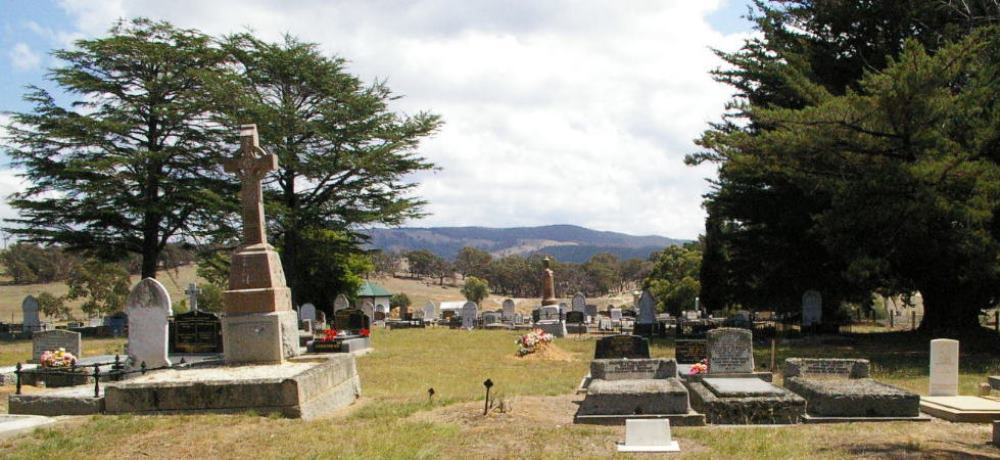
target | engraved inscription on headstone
[
  {"x": 621, "y": 346},
  {"x": 730, "y": 350}
]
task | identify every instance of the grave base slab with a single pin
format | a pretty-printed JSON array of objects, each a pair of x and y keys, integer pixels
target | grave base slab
[
  {"x": 691, "y": 418},
  {"x": 854, "y": 398},
  {"x": 671, "y": 447},
  {"x": 306, "y": 388},
  {"x": 962, "y": 409},
  {"x": 784, "y": 407},
  {"x": 65, "y": 401},
  {"x": 815, "y": 419}
]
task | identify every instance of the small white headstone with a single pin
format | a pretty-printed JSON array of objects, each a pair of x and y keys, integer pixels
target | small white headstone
[
  {"x": 148, "y": 309},
  {"x": 469, "y": 315},
  {"x": 29, "y": 314},
  {"x": 369, "y": 310},
  {"x": 579, "y": 302},
  {"x": 944, "y": 368},
  {"x": 340, "y": 303},
  {"x": 307, "y": 311},
  {"x": 508, "y": 309},
  {"x": 648, "y": 436},
  {"x": 429, "y": 310},
  {"x": 812, "y": 308},
  {"x": 647, "y": 309}
]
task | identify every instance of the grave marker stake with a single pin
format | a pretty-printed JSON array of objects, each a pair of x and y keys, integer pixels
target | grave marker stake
[{"x": 486, "y": 407}]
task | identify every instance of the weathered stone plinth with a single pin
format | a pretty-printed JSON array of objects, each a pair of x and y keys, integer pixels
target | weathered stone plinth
[
  {"x": 622, "y": 389},
  {"x": 257, "y": 282},
  {"x": 299, "y": 388},
  {"x": 260, "y": 337}
]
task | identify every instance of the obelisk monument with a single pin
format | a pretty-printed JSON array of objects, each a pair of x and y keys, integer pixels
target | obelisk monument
[
  {"x": 548, "y": 285},
  {"x": 259, "y": 324}
]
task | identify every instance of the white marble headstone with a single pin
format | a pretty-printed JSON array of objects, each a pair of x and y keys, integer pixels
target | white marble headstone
[
  {"x": 430, "y": 310},
  {"x": 647, "y": 309},
  {"x": 579, "y": 302},
  {"x": 508, "y": 309},
  {"x": 29, "y": 314},
  {"x": 340, "y": 303},
  {"x": 369, "y": 310},
  {"x": 469, "y": 315},
  {"x": 944, "y": 368},
  {"x": 812, "y": 308},
  {"x": 148, "y": 309},
  {"x": 307, "y": 311}
]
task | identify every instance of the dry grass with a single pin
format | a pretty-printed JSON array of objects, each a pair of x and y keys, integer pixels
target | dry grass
[
  {"x": 20, "y": 351},
  {"x": 397, "y": 420}
]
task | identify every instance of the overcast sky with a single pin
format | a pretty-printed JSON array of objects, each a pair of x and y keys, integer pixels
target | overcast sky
[{"x": 556, "y": 112}]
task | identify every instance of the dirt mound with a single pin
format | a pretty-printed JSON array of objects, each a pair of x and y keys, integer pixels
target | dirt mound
[{"x": 548, "y": 352}]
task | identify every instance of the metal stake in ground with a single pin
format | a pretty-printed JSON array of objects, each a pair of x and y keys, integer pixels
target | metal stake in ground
[{"x": 488, "y": 384}]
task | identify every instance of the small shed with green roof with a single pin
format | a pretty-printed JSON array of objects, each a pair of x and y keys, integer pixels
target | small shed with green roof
[{"x": 377, "y": 295}]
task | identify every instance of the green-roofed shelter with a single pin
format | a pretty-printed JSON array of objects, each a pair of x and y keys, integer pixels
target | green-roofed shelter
[{"x": 377, "y": 295}]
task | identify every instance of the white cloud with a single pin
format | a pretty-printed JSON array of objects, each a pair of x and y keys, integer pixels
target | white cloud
[
  {"x": 22, "y": 57},
  {"x": 556, "y": 112}
]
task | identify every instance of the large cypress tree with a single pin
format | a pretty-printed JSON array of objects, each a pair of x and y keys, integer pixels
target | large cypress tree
[
  {"x": 132, "y": 163},
  {"x": 860, "y": 220},
  {"x": 343, "y": 157}
]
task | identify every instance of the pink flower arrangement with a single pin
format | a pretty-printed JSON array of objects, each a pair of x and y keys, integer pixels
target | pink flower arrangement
[
  {"x": 533, "y": 341},
  {"x": 57, "y": 358},
  {"x": 699, "y": 368}
]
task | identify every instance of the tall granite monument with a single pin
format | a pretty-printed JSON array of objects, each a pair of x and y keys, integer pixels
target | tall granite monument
[
  {"x": 259, "y": 323},
  {"x": 548, "y": 284}
]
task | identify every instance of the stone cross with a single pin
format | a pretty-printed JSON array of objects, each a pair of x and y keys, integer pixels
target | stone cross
[
  {"x": 192, "y": 293},
  {"x": 251, "y": 166}
]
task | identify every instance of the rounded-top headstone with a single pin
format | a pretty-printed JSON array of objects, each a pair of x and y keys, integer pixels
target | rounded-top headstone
[
  {"x": 469, "y": 312},
  {"x": 307, "y": 311},
  {"x": 340, "y": 303},
  {"x": 369, "y": 310},
  {"x": 148, "y": 309},
  {"x": 508, "y": 309},
  {"x": 579, "y": 302}
]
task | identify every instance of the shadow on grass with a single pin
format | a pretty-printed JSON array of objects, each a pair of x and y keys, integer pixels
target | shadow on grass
[{"x": 913, "y": 450}]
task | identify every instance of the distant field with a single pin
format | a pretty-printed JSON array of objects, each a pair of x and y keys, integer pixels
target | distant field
[
  {"x": 420, "y": 291},
  {"x": 11, "y": 295}
]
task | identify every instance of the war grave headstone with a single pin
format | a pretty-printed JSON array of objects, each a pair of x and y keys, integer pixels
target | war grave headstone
[
  {"x": 508, "y": 309},
  {"x": 341, "y": 303},
  {"x": 196, "y": 332},
  {"x": 621, "y": 387},
  {"x": 53, "y": 340},
  {"x": 645, "y": 323},
  {"x": 812, "y": 308},
  {"x": 944, "y": 401},
  {"x": 148, "y": 308},
  {"x": 842, "y": 390},
  {"x": 29, "y": 315},
  {"x": 732, "y": 393},
  {"x": 469, "y": 314}
]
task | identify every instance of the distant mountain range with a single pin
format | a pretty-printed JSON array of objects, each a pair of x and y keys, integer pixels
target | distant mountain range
[{"x": 567, "y": 243}]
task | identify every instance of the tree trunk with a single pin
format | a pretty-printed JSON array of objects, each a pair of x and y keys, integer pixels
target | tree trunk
[{"x": 946, "y": 310}]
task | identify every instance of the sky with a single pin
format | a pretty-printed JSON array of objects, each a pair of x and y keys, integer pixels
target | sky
[{"x": 555, "y": 111}]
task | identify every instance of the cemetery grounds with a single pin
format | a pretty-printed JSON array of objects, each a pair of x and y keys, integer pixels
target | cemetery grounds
[{"x": 396, "y": 419}]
